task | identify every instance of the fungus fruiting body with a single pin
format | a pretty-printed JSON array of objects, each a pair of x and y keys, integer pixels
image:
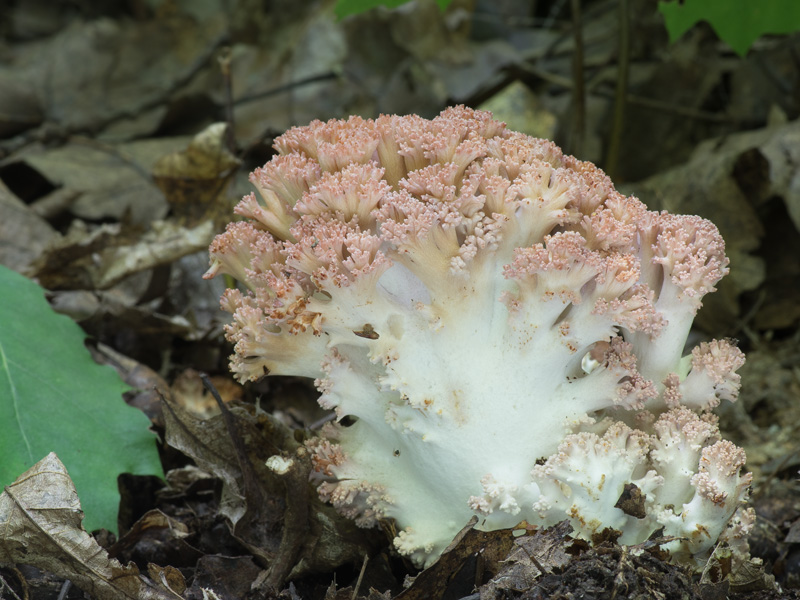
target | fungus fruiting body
[{"x": 503, "y": 329}]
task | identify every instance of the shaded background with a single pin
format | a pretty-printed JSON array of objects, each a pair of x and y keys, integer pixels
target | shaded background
[{"x": 127, "y": 131}]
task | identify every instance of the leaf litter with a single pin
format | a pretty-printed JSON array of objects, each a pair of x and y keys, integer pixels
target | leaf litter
[{"x": 109, "y": 196}]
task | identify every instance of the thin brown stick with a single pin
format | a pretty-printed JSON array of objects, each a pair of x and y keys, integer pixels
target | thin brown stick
[
  {"x": 65, "y": 587},
  {"x": 224, "y": 60},
  {"x": 9, "y": 588},
  {"x": 633, "y": 99},
  {"x": 252, "y": 487},
  {"x": 287, "y": 87},
  {"x": 621, "y": 93},
  {"x": 578, "y": 89},
  {"x": 360, "y": 577}
]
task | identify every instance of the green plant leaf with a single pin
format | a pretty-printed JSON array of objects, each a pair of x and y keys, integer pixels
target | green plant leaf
[
  {"x": 345, "y": 8},
  {"x": 737, "y": 22},
  {"x": 55, "y": 398}
]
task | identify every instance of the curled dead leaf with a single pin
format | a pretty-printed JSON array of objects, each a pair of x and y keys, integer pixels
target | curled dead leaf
[
  {"x": 255, "y": 506},
  {"x": 106, "y": 255},
  {"x": 40, "y": 525},
  {"x": 192, "y": 180}
]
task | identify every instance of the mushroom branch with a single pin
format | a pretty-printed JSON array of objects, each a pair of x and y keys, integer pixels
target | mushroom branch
[{"x": 503, "y": 329}]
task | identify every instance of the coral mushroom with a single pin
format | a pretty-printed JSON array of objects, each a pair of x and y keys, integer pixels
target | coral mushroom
[{"x": 504, "y": 331}]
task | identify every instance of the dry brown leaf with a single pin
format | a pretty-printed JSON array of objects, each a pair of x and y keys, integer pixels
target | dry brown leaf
[
  {"x": 255, "y": 521},
  {"x": 19, "y": 107},
  {"x": 229, "y": 577},
  {"x": 533, "y": 555},
  {"x": 747, "y": 184},
  {"x": 40, "y": 525},
  {"x": 105, "y": 256},
  {"x": 107, "y": 181},
  {"x": 159, "y": 530},
  {"x": 163, "y": 244},
  {"x": 193, "y": 179},
  {"x": 118, "y": 306},
  {"x": 189, "y": 392},
  {"x": 23, "y": 234},
  {"x": 470, "y": 557},
  {"x": 257, "y": 517},
  {"x": 116, "y": 76},
  {"x": 347, "y": 594},
  {"x": 726, "y": 570},
  {"x": 169, "y": 577}
]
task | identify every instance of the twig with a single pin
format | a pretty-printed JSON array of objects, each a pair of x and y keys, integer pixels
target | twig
[
  {"x": 633, "y": 99},
  {"x": 620, "y": 96},
  {"x": 295, "y": 520},
  {"x": 198, "y": 65},
  {"x": 552, "y": 15},
  {"x": 764, "y": 485},
  {"x": 579, "y": 89},
  {"x": 286, "y": 87},
  {"x": 224, "y": 60},
  {"x": 9, "y": 588},
  {"x": 295, "y": 480},
  {"x": 65, "y": 587},
  {"x": 320, "y": 422},
  {"x": 619, "y": 578},
  {"x": 360, "y": 577},
  {"x": 683, "y": 111},
  {"x": 252, "y": 488},
  {"x": 556, "y": 46},
  {"x": 535, "y": 561},
  {"x": 743, "y": 324}
]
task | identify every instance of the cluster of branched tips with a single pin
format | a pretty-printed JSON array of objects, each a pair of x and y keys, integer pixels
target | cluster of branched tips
[{"x": 503, "y": 329}]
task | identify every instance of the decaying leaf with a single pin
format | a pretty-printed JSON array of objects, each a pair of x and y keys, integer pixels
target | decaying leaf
[
  {"x": 115, "y": 76},
  {"x": 151, "y": 521},
  {"x": 40, "y": 525},
  {"x": 170, "y": 537},
  {"x": 632, "y": 501},
  {"x": 254, "y": 497},
  {"x": 193, "y": 179},
  {"x": 470, "y": 557},
  {"x": 20, "y": 109},
  {"x": 112, "y": 182},
  {"x": 347, "y": 593},
  {"x": 256, "y": 522},
  {"x": 534, "y": 555},
  {"x": 164, "y": 243},
  {"x": 100, "y": 258},
  {"x": 120, "y": 309},
  {"x": 23, "y": 234},
  {"x": 550, "y": 564},
  {"x": 228, "y": 576},
  {"x": 107, "y": 182},
  {"x": 748, "y": 182},
  {"x": 793, "y": 535},
  {"x": 728, "y": 571}
]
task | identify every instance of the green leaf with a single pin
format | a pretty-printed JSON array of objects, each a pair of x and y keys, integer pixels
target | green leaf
[
  {"x": 345, "y": 8},
  {"x": 737, "y": 22},
  {"x": 55, "y": 398}
]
